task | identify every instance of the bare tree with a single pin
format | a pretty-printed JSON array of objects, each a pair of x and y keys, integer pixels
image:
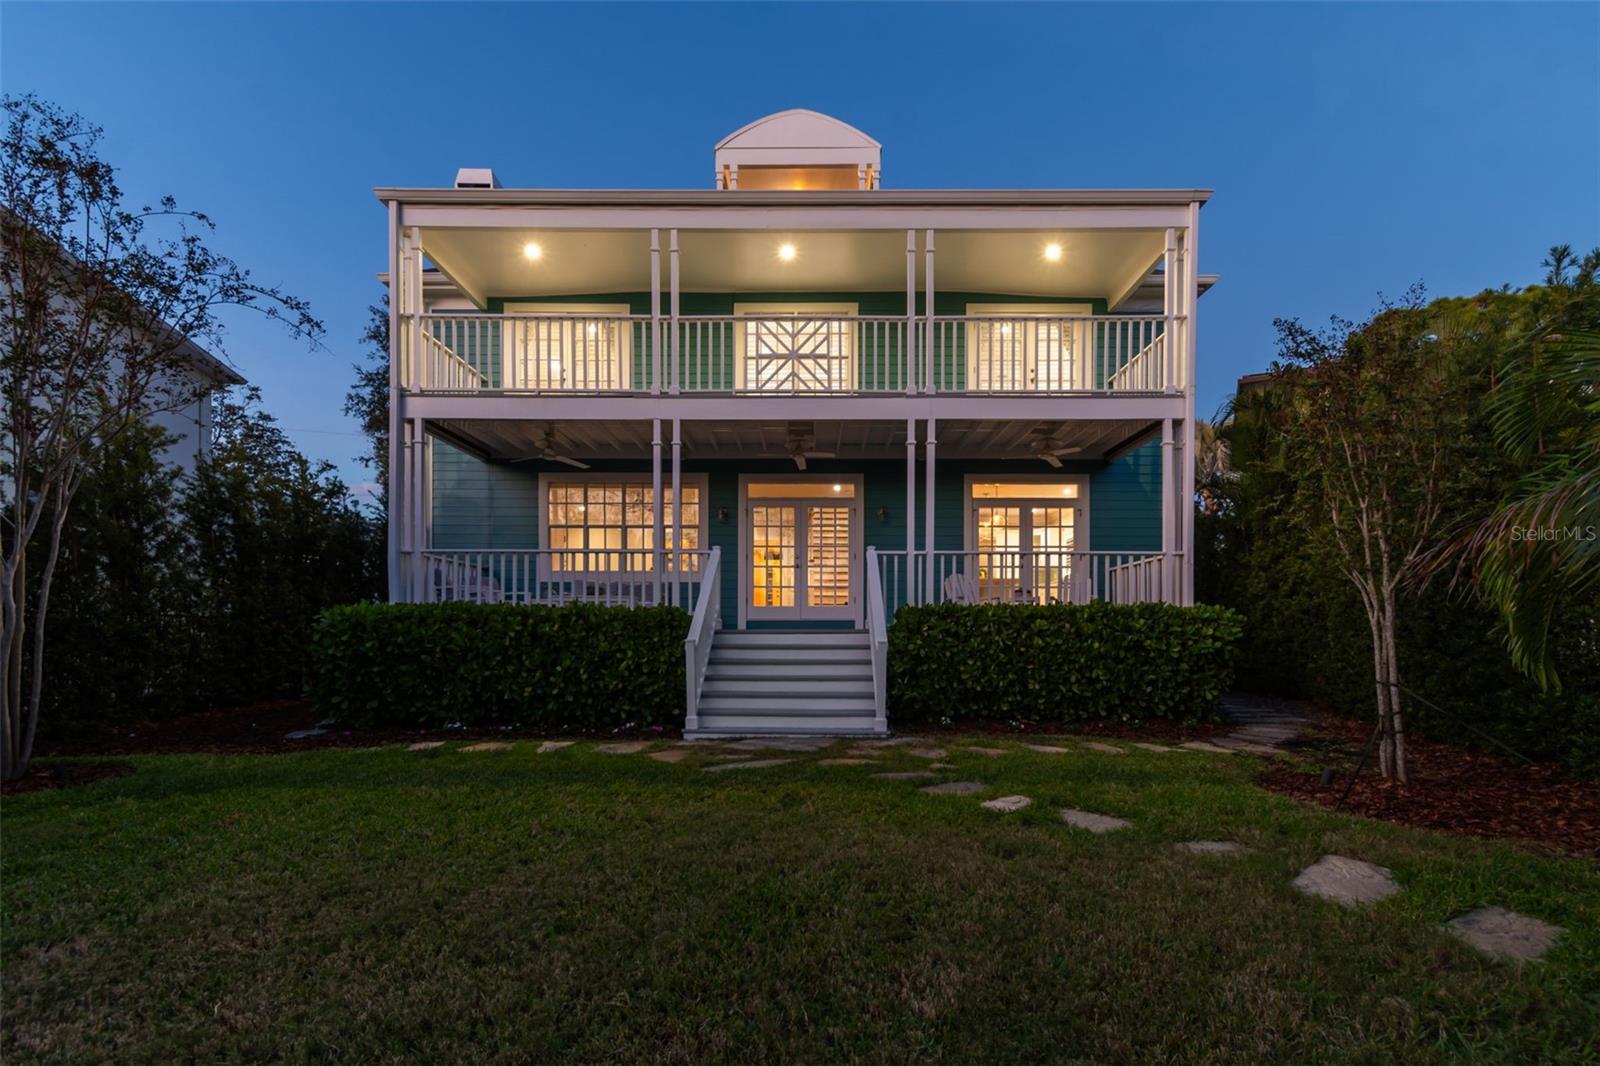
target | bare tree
[
  {"x": 1374, "y": 420},
  {"x": 102, "y": 309}
]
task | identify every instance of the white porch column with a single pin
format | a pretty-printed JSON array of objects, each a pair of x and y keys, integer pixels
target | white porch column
[
  {"x": 416, "y": 496},
  {"x": 395, "y": 463},
  {"x": 911, "y": 313},
  {"x": 1169, "y": 299},
  {"x": 655, "y": 331},
  {"x": 1169, "y": 513},
  {"x": 1191, "y": 285},
  {"x": 672, "y": 386},
  {"x": 658, "y": 512},
  {"x": 927, "y": 313},
  {"x": 414, "y": 307},
  {"x": 927, "y": 514},
  {"x": 911, "y": 511},
  {"x": 677, "y": 507}
]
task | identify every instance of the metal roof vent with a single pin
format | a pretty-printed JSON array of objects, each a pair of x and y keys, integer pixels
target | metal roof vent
[{"x": 476, "y": 178}]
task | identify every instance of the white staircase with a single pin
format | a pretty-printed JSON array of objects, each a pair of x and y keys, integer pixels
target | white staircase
[{"x": 788, "y": 682}]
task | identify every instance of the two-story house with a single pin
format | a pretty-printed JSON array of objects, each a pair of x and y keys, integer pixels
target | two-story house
[{"x": 791, "y": 403}]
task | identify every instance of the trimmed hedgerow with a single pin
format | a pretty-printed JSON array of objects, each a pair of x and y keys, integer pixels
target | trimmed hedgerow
[
  {"x": 1061, "y": 663},
  {"x": 577, "y": 667}
]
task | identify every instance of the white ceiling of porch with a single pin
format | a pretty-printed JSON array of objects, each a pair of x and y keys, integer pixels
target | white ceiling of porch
[{"x": 1093, "y": 263}]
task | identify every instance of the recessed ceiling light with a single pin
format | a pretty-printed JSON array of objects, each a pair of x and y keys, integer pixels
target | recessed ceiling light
[
  {"x": 532, "y": 251},
  {"x": 786, "y": 252},
  {"x": 1052, "y": 252}
]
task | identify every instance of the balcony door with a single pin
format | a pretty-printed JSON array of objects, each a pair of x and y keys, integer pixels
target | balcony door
[
  {"x": 800, "y": 557},
  {"x": 1026, "y": 347}
]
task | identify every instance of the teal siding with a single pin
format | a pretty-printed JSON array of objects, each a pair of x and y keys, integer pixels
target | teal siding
[{"x": 480, "y": 504}]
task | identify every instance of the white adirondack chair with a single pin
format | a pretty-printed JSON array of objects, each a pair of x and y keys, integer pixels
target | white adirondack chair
[{"x": 960, "y": 588}]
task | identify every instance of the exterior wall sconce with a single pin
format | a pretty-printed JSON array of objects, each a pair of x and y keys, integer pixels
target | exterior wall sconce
[
  {"x": 722, "y": 516},
  {"x": 883, "y": 514}
]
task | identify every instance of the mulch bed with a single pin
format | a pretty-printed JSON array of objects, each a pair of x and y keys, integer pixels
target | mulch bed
[
  {"x": 1451, "y": 790},
  {"x": 42, "y": 776}
]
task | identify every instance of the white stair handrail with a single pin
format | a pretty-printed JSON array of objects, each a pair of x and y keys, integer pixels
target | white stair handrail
[
  {"x": 878, "y": 640},
  {"x": 703, "y": 627}
]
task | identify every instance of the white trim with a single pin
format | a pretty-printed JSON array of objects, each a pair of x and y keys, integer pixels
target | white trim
[{"x": 857, "y": 505}]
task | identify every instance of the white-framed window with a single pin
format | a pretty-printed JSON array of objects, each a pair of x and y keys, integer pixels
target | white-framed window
[
  {"x": 1024, "y": 533},
  {"x": 1027, "y": 347},
  {"x": 572, "y": 346},
  {"x": 605, "y": 523},
  {"x": 795, "y": 347}
]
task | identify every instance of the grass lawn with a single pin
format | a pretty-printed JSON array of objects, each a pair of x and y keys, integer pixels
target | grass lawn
[{"x": 392, "y": 905}]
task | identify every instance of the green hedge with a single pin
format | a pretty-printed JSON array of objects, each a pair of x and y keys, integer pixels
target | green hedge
[
  {"x": 1061, "y": 663},
  {"x": 578, "y": 667}
]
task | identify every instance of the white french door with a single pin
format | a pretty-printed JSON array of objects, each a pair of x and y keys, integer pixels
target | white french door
[
  {"x": 1024, "y": 551},
  {"x": 801, "y": 552}
]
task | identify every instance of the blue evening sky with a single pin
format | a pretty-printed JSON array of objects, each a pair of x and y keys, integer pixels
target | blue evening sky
[{"x": 1353, "y": 148}]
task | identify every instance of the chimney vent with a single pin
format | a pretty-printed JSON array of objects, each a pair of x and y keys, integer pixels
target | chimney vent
[{"x": 476, "y": 178}]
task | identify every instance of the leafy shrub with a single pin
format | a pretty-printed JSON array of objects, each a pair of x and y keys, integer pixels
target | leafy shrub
[
  {"x": 1061, "y": 663},
  {"x": 577, "y": 667}
]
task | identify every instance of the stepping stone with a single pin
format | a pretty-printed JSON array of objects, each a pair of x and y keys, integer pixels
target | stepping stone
[
  {"x": 893, "y": 742},
  {"x": 987, "y": 751},
  {"x": 1007, "y": 804},
  {"x": 1503, "y": 934},
  {"x": 1347, "y": 882},
  {"x": 626, "y": 747},
  {"x": 955, "y": 788},
  {"x": 784, "y": 743},
  {"x": 1094, "y": 823},
  {"x": 912, "y": 775},
  {"x": 844, "y": 762},
  {"x": 1152, "y": 747},
  {"x": 941, "y": 766},
  {"x": 1109, "y": 749},
  {"x": 305, "y": 734},
  {"x": 752, "y": 764},
  {"x": 1047, "y": 749},
  {"x": 670, "y": 755},
  {"x": 862, "y": 749},
  {"x": 488, "y": 745},
  {"x": 927, "y": 753},
  {"x": 1201, "y": 745},
  {"x": 425, "y": 745},
  {"x": 1212, "y": 847},
  {"x": 554, "y": 745},
  {"x": 1255, "y": 749}
]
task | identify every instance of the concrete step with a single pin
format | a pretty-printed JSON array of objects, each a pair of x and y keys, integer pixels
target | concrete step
[
  {"x": 782, "y": 638},
  {"x": 795, "y": 670},
  {"x": 806, "y": 688},
  {"x": 830, "y": 706},
  {"x": 776, "y": 654}
]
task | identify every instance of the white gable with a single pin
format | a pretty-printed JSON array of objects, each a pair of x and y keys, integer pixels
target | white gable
[{"x": 798, "y": 139}]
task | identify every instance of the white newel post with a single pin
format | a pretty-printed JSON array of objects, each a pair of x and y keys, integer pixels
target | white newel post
[
  {"x": 911, "y": 511},
  {"x": 927, "y": 317},
  {"x": 658, "y": 513},
  {"x": 655, "y": 336},
  {"x": 396, "y": 498},
  {"x": 677, "y": 510},
  {"x": 910, "y": 346},
  {"x": 1169, "y": 513},
  {"x": 674, "y": 372},
  {"x": 927, "y": 514}
]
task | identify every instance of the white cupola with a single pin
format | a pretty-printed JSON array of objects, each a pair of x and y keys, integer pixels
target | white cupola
[{"x": 799, "y": 150}]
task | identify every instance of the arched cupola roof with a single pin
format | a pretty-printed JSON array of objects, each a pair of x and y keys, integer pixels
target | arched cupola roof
[{"x": 798, "y": 148}]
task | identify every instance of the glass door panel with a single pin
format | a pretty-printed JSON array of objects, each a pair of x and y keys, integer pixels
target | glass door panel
[
  {"x": 1051, "y": 535},
  {"x": 999, "y": 576},
  {"x": 774, "y": 576},
  {"x": 828, "y": 581}
]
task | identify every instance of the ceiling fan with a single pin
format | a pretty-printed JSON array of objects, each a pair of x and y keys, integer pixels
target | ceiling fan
[
  {"x": 1049, "y": 448},
  {"x": 544, "y": 448},
  {"x": 800, "y": 435}
]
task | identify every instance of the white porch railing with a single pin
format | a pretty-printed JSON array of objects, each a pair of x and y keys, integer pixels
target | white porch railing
[
  {"x": 702, "y": 631},
  {"x": 1020, "y": 577},
  {"x": 618, "y": 578},
  {"x": 784, "y": 355},
  {"x": 878, "y": 640}
]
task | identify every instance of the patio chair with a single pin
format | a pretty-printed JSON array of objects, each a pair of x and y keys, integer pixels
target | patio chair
[{"x": 961, "y": 588}]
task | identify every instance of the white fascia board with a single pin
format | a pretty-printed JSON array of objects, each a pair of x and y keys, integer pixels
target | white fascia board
[
  {"x": 740, "y": 215},
  {"x": 789, "y": 197},
  {"x": 729, "y": 408}
]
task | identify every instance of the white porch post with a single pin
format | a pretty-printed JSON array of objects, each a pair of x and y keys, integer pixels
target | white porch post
[
  {"x": 1191, "y": 285},
  {"x": 395, "y": 463},
  {"x": 927, "y": 515},
  {"x": 655, "y": 334},
  {"x": 419, "y": 365},
  {"x": 658, "y": 512},
  {"x": 1169, "y": 299},
  {"x": 414, "y": 508},
  {"x": 911, "y": 313},
  {"x": 677, "y": 508},
  {"x": 927, "y": 314},
  {"x": 911, "y": 511},
  {"x": 1169, "y": 514},
  {"x": 672, "y": 386}
]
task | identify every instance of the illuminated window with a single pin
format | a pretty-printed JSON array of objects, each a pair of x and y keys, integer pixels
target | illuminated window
[
  {"x": 577, "y": 347},
  {"x": 796, "y": 348},
  {"x": 610, "y": 525}
]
